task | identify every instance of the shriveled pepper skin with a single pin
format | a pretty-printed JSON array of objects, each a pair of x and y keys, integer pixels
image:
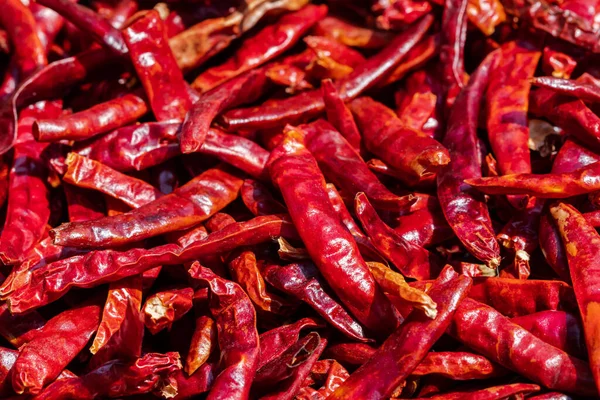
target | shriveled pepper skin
[
  {"x": 582, "y": 244},
  {"x": 328, "y": 242},
  {"x": 465, "y": 210}
]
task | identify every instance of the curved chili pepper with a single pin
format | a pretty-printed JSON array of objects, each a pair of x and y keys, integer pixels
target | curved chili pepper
[
  {"x": 267, "y": 44},
  {"x": 339, "y": 116},
  {"x": 494, "y": 392},
  {"x": 409, "y": 152},
  {"x": 202, "y": 344},
  {"x": 341, "y": 164},
  {"x": 551, "y": 186},
  {"x": 42, "y": 359},
  {"x": 561, "y": 329},
  {"x": 402, "y": 351},
  {"x": 90, "y": 22},
  {"x": 582, "y": 242},
  {"x": 297, "y": 175},
  {"x": 245, "y": 88},
  {"x": 416, "y": 58},
  {"x": 466, "y": 211},
  {"x": 103, "y": 117},
  {"x": 188, "y": 205},
  {"x": 584, "y": 90},
  {"x": 134, "y": 147},
  {"x": 86, "y": 173},
  {"x": 238, "y": 338},
  {"x": 117, "y": 378},
  {"x": 147, "y": 41},
  {"x": 489, "y": 333},
  {"x": 454, "y": 35},
  {"x": 279, "y": 112},
  {"x": 412, "y": 261},
  {"x": 163, "y": 308},
  {"x": 303, "y": 281}
]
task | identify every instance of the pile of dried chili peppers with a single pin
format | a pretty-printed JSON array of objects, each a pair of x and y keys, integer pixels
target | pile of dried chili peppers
[{"x": 286, "y": 199}]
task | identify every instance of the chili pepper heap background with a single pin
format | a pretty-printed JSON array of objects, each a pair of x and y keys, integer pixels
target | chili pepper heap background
[{"x": 285, "y": 199}]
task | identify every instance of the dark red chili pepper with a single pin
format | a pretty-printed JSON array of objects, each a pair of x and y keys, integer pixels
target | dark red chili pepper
[
  {"x": 413, "y": 261},
  {"x": 454, "y": 35},
  {"x": 424, "y": 227},
  {"x": 303, "y": 281},
  {"x": 267, "y": 44},
  {"x": 297, "y": 175},
  {"x": 163, "y": 308},
  {"x": 185, "y": 207},
  {"x": 402, "y": 351},
  {"x": 494, "y": 392},
  {"x": 586, "y": 90},
  {"x": 465, "y": 211},
  {"x": 238, "y": 339},
  {"x": 259, "y": 200},
  {"x": 339, "y": 116}
]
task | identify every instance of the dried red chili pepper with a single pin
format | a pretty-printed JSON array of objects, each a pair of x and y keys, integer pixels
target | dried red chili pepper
[
  {"x": 42, "y": 359},
  {"x": 411, "y": 260},
  {"x": 424, "y": 227},
  {"x": 528, "y": 296},
  {"x": 203, "y": 343},
  {"x": 486, "y": 14},
  {"x": 89, "y": 22},
  {"x": 183, "y": 208},
  {"x": 350, "y": 353},
  {"x": 341, "y": 164},
  {"x": 259, "y": 200},
  {"x": 278, "y": 112},
  {"x": 245, "y": 88},
  {"x": 238, "y": 338},
  {"x": 87, "y": 173},
  {"x": 339, "y": 116},
  {"x": 494, "y": 392},
  {"x": 298, "y": 177},
  {"x": 584, "y": 90},
  {"x": 411, "y": 153},
  {"x": 552, "y": 186},
  {"x": 561, "y": 329},
  {"x": 101, "y": 118},
  {"x": 465, "y": 211},
  {"x": 121, "y": 328},
  {"x": 302, "y": 280},
  {"x": 267, "y": 44},
  {"x": 402, "y": 351},
  {"x": 581, "y": 242},
  {"x": 28, "y": 209},
  {"x": 513, "y": 347},
  {"x": 507, "y": 102},
  {"x": 117, "y": 378},
  {"x": 134, "y": 147},
  {"x": 156, "y": 67},
  {"x": 454, "y": 35},
  {"x": 351, "y": 35},
  {"x": 163, "y": 308}
]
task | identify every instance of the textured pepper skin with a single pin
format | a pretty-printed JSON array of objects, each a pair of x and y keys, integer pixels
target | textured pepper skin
[
  {"x": 238, "y": 339},
  {"x": 267, "y": 44},
  {"x": 581, "y": 244},
  {"x": 101, "y": 118},
  {"x": 488, "y": 332},
  {"x": 41, "y": 360},
  {"x": 465, "y": 210},
  {"x": 297, "y": 175},
  {"x": 279, "y": 112},
  {"x": 186, "y": 206},
  {"x": 507, "y": 102},
  {"x": 156, "y": 67},
  {"x": 402, "y": 351},
  {"x": 162, "y": 309},
  {"x": 494, "y": 392},
  {"x": 583, "y": 89},
  {"x": 454, "y": 35},
  {"x": 351, "y": 35},
  {"x": 339, "y": 115}
]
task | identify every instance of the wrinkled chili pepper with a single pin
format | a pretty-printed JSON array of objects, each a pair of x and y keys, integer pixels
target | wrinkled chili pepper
[
  {"x": 465, "y": 211},
  {"x": 297, "y": 175},
  {"x": 238, "y": 339},
  {"x": 454, "y": 35},
  {"x": 163, "y": 308},
  {"x": 183, "y": 208},
  {"x": 402, "y": 351}
]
